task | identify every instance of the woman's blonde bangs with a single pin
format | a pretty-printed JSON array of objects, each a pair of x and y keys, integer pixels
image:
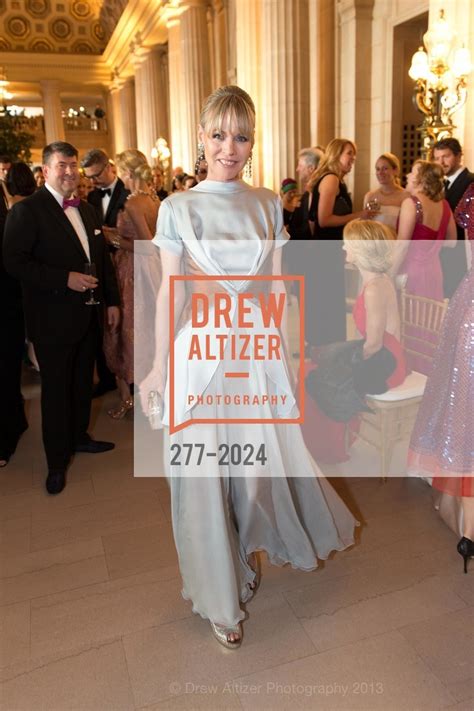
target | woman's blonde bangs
[{"x": 226, "y": 110}]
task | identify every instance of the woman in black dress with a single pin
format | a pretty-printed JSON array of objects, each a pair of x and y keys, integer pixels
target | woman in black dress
[{"x": 330, "y": 209}]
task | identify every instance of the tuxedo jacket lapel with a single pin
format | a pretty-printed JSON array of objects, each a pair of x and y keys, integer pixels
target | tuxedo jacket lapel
[
  {"x": 456, "y": 190},
  {"x": 89, "y": 227},
  {"x": 114, "y": 199},
  {"x": 65, "y": 226}
]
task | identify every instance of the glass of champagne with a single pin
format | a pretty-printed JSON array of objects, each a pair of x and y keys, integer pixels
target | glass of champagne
[
  {"x": 89, "y": 268},
  {"x": 373, "y": 205}
]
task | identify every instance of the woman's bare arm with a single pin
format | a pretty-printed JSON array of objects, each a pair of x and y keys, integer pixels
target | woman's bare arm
[
  {"x": 156, "y": 379},
  {"x": 376, "y": 319},
  {"x": 451, "y": 233},
  {"x": 406, "y": 225}
]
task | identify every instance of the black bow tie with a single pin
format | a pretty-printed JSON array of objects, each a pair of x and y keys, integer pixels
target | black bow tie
[
  {"x": 105, "y": 191},
  {"x": 446, "y": 185}
]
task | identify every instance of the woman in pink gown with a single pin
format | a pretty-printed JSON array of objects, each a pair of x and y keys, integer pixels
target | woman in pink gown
[
  {"x": 136, "y": 222},
  {"x": 369, "y": 246},
  {"x": 442, "y": 443},
  {"x": 426, "y": 225}
]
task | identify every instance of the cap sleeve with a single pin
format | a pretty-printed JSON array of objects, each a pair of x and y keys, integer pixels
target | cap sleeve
[
  {"x": 167, "y": 236},
  {"x": 281, "y": 235}
]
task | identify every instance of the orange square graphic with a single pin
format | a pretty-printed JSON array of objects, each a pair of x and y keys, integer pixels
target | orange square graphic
[{"x": 176, "y": 427}]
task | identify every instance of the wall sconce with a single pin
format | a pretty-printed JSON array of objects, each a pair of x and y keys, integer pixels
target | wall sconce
[
  {"x": 440, "y": 81},
  {"x": 5, "y": 95}
]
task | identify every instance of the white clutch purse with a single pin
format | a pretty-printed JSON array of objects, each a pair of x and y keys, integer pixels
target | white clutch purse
[{"x": 155, "y": 410}]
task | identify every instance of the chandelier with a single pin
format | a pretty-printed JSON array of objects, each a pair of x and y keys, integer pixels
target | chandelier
[{"x": 440, "y": 75}]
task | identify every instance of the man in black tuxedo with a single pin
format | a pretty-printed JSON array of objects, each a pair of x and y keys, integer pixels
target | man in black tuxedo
[
  {"x": 50, "y": 237},
  {"x": 109, "y": 194},
  {"x": 448, "y": 153},
  {"x": 108, "y": 198}
]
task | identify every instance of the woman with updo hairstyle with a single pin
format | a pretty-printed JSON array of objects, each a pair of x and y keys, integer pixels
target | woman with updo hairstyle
[
  {"x": 426, "y": 225},
  {"x": 135, "y": 225},
  {"x": 369, "y": 246},
  {"x": 388, "y": 197},
  {"x": 247, "y": 491}
]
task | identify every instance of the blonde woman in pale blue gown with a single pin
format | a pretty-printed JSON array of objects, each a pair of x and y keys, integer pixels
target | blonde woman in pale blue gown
[{"x": 222, "y": 515}]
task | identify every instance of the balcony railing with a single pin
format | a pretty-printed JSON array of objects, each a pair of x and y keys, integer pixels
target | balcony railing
[{"x": 83, "y": 123}]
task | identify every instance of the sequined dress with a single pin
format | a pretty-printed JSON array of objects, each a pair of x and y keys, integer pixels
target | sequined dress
[{"x": 442, "y": 443}]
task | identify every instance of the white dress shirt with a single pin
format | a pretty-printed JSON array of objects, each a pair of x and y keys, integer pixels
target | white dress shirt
[
  {"x": 74, "y": 217},
  {"x": 106, "y": 198},
  {"x": 452, "y": 178}
]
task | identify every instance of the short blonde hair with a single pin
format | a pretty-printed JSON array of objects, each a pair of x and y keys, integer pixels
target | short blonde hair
[
  {"x": 371, "y": 244},
  {"x": 229, "y": 103},
  {"x": 430, "y": 178},
  {"x": 135, "y": 162}
]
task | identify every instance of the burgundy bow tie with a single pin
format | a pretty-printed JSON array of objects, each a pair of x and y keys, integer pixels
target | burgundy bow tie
[{"x": 73, "y": 202}]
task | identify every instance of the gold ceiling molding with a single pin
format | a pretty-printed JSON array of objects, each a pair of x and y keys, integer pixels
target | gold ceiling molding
[{"x": 58, "y": 26}]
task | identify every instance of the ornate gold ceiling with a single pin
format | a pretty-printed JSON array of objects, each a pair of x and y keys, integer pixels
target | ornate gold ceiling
[{"x": 58, "y": 26}]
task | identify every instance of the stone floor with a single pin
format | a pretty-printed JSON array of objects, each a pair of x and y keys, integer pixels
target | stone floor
[{"x": 91, "y": 615}]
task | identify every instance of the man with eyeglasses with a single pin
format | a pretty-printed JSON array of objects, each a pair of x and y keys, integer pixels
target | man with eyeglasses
[
  {"x": 108, "y": 198},
  {"x": 109, "y": 193}
]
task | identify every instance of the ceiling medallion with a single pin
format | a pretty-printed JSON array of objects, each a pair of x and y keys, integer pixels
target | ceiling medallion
[
  {"x": 82, "y": 47},
  {"x": 80, "y": 9},
  {"x": 38, "y": 8},
  {"x": 60, "y": 29},
  {"x": 18, "y": 27},
  {"x": 98, "y": 32},
  {"x": 41, "y": 45}
]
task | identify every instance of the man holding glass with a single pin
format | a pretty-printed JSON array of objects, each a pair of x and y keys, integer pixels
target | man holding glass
[{"x": 53, "y": 244}]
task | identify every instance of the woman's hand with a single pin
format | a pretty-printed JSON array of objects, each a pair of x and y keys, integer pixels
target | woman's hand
[
  {"x": 110, "y": 234},
  {"x": 366, "y": 214},
  {"x": 155, "y": 380}
]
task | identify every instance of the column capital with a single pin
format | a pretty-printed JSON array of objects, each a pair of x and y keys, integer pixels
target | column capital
[
  {"x": 219, "y": 5},
  {"x": 50, "y": 84},
  {"x": 348, "y": 10}
]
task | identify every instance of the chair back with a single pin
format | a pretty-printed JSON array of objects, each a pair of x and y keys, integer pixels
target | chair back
[{"x": 421, "y": 321}]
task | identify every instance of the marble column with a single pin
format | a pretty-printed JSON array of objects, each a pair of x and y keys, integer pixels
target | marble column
[
  {"x": 188, "y": 61},
  {"x": 150, "y": 99},
  {"x": 246, "y": 24},
  {"x": 127, "y": 118},
  {"x": 322, "y": 71},
  {"x": 220, "y": 42},
  {"x": 115, "y": 122},
  {"x": 353, "y": 120},
  {"x": 53, "y": 120},
  {"x": 175, "y": 90},
  {"x": 285, "y": 33},
  {"x": 195, "y": 74}
]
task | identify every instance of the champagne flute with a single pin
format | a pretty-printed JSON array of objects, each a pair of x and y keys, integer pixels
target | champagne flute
[{"x": 89, "y": 268}]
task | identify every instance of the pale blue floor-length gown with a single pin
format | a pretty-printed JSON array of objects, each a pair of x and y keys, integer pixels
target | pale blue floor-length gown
[{"x": 223, "y": 513}]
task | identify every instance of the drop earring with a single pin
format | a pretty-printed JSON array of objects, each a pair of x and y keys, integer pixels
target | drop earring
[
  {"x": 248, "y": 168},
  {"x": 200, "y": 156}
]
